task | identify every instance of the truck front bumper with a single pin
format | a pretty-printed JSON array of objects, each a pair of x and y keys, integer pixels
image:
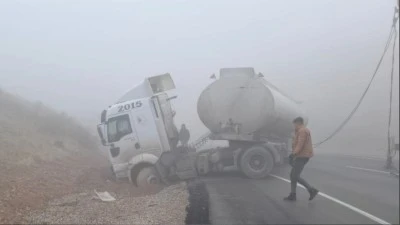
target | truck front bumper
[{"x": 121, "y": 170}]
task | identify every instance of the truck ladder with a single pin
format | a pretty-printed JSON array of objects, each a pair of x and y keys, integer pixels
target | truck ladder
[{"x": 200, "y": 141}]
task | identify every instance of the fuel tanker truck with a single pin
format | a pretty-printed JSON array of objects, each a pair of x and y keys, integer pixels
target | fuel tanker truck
[{"x": 241, "y": 108}]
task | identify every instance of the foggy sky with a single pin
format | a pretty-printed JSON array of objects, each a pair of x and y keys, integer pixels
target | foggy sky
[{"x": 80, "y": 56}]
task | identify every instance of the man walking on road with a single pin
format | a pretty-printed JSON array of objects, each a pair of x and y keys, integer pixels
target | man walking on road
[{"x": 302, "y": 152}]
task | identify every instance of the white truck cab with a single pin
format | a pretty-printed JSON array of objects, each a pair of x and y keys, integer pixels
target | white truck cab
[{"x": 139, "y": 127}]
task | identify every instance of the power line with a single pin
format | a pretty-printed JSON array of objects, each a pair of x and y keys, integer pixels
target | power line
[{"x": 392, "y": 30}]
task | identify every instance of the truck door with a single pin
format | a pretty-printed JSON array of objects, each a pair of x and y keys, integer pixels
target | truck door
[
  {"x": 168, "y": 117},
  {"x": 151, "y": 136}
]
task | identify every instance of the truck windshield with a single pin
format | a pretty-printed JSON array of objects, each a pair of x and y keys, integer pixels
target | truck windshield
[{"x": 118, "y": 127}]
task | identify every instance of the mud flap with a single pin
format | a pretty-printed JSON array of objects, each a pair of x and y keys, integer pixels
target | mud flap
[
  {"x": 186, "y": 166},
  {"x": 172, "y": 167},
  {"x": 163, "y": 165}
]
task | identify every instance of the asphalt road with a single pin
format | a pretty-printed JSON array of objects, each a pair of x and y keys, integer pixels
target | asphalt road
[{"x": 355, "y": 191}]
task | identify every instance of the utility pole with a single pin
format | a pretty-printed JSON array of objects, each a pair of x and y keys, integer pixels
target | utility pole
[
  {"x": 391, "y": 144},
  {"x": 389, "y": 157}
]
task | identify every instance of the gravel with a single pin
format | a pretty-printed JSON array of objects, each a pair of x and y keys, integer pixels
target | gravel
[{"x": 166, "y": 207}]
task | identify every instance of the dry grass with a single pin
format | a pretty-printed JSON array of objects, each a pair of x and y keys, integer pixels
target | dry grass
[
  {"x": 30, "y": 131},
  {"x": 43, "y": 153}
]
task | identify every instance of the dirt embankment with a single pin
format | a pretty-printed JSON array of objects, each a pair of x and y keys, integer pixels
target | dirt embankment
[
  {"x": 51, "y": 166},
  {"x": 45, "y": 155}
]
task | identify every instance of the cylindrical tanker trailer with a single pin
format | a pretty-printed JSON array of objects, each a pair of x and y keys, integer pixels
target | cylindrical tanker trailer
[
  {"x": 253, "y": 115},
  {"x": 242, "y": 105},
  {"x": 243, "y": 108}
]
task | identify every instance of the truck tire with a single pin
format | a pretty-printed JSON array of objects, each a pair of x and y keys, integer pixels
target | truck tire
[
  {"x": 256, "y": 162},
  {"x": 147, "y": 178}
]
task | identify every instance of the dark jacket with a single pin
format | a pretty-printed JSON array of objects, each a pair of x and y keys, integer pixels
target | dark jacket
[{"x": 184, "y": 135}]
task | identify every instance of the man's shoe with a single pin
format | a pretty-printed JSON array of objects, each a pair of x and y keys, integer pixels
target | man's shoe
[
  {"x": 291, "y": 197},
  {"x": 313, "y": 193}
]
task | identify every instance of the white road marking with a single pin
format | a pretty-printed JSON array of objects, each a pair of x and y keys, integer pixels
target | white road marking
[
  {"x": 365, "y": 157},
  {"x": 355, "y": 209},
  {"x": 370, "y": 170},
  {"x": 393, "y": 173},
  {"x": 358, "y": 156}
]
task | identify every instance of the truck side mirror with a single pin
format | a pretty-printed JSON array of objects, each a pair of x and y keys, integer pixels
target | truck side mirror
[
  {"x": 103, "y": 116},
  {"x": 100, "y": 132}
]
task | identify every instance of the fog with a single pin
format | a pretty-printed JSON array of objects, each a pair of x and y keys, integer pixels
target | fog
[{"x": 80, "y": 56}]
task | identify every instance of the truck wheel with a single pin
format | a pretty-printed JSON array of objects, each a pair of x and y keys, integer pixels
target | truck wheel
[
  {"x": 147, "y": 177},
  {"x": 256, "y": 162}
]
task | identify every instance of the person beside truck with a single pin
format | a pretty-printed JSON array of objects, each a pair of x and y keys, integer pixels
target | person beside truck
[
  {"x": 301, "y": 154},
  {"x": 184, "y": 135}
]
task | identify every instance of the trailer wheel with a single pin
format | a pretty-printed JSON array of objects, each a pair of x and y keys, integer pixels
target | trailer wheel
[
  {"x": 147, "y": 178},
  {"x": 256, "y": 162}
]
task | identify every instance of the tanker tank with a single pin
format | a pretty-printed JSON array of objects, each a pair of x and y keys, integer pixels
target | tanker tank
[{"x": 242, "y": 105}]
